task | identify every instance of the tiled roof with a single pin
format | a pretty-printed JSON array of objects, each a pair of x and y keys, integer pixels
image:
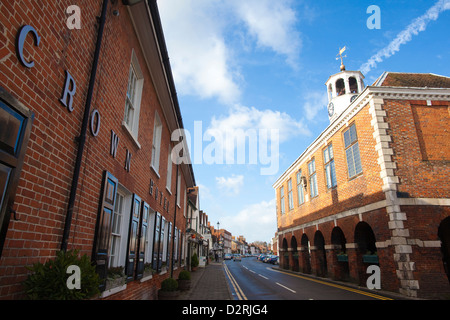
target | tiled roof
[{"x": 413, "y": 80}]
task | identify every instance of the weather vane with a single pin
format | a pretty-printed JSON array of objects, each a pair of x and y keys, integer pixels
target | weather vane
[{"x": 340, "y": 56}]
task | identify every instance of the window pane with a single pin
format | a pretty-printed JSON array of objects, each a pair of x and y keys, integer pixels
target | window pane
[
  {"x": 347, "y": 138},
  {"x": 350, "y": 163},
  {"x": 357, "y": 158}
]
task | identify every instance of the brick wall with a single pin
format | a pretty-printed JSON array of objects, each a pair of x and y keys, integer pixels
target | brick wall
[
  {"x": 349, "y": 193},
  {"x": 421, "y": 142},
  {"x": 42, "y": 195}
]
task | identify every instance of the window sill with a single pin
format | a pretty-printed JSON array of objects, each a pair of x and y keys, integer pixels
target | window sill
[
  {"x": 146, "y": 278},
  {"x": 131, "y": 135},
  {"x": 112, "y": 291},
  {"x": 170, "y": 192},
  {"x": 154, "y": 170}
]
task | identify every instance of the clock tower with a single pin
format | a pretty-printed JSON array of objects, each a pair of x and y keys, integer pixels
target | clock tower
[{"x": 343, "y": 88}]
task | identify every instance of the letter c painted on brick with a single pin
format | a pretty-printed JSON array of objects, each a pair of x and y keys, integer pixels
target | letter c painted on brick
[{"x": 23, "y": 32}]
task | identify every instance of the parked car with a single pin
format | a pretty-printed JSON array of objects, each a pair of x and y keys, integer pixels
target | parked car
[
  {"x": 272, "y": 259},
  {"x": 261, "y": 257},
  {"x": 236, "y": 257},
  {"x": 227, "y": 256}
]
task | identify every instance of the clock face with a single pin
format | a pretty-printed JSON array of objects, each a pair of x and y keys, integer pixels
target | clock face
[{"x": 330, "y": 109}]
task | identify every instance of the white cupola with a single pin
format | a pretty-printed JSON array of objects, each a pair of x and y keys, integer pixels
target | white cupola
[{"x": 343, "y": 88}]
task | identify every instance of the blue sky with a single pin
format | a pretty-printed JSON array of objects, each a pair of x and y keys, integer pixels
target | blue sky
[{"x": 243, "y": 66}]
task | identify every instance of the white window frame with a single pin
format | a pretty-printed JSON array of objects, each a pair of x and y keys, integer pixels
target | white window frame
[
  {"x": 179, "y": 190},
  {"x": 330, "y": 169},
  {"x": 134, "y": 99},
  {"x": 313, "y": 188},
  {"x": 290, "y": 195},
  {"x": 300, "y": 194},
  {"x": 169, "y": 171},
  {"x": 282, "y": 200},
  {"x": 122, "y": 237},
  {"x": 156, "y": 145},
  {"x": 352, "y": 153}
]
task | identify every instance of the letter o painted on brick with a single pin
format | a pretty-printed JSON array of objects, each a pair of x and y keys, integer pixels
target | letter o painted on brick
[{"x": 95, "y": 129}]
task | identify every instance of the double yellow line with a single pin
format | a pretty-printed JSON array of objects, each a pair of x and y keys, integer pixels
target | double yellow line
[
  {"x": 338, "y": 286},
  {"x": 237, "y": 289}
]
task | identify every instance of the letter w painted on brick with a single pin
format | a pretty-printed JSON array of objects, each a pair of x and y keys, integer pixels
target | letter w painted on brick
[{"x": 114, "y": 143}]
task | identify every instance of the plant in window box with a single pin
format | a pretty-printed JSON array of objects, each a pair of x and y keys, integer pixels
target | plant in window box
[
  {"x": 184, "y": 280},
  {"x": 53, "y": 280},
  {"x": 371, "y": 257},
  {"x": 115, "y": 278},
  {"x": 164, "y": 266},
  {"x": 148, "y": 270},
  {"x": 342, "y": 256},
  {"x": 169, "y": 290}
]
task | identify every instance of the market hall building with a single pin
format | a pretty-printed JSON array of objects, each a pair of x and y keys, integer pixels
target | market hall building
[
  {"x": 372, "y": 189},
  {"x": 87, "y": 109}
]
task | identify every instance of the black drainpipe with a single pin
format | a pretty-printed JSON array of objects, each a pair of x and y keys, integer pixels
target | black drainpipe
[{"x": 82, "y": 138}]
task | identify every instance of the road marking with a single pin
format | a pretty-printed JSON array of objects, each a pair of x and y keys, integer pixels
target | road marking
[
  {"x": 263, "y": 276},
  {"x": 237, "y": 289},
  {"x": 251, "y": 271},
  {"x": 285, "y": 287},
  {"x": 337, "y": 286}
]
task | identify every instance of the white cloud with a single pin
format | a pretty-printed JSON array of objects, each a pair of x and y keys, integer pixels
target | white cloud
[
  {"x": 255, "y": 222},
  {"x": 244, "y": 118},
  {"x": 201, "y": 62},
  {"x": 254, "y": 136},
  {"x": 272, "y": 23},
  {"x": 418, "y": 25},
  {"x": 231, "y": 185},
  {"x": 314, "y": 102}
]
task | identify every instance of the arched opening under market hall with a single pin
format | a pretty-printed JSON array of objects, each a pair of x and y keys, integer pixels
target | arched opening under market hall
[
  {"x": 320, "y": 254},
  {"x": 444, "y": 235}
]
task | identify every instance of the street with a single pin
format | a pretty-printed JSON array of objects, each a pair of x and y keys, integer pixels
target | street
[{"x": 251, "y": 279}]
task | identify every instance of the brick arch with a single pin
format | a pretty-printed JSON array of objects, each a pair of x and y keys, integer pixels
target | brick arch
[
  {"x": 284, "y": 259},
  {"x": 294, "y": 252},
  {"x": 305, "y": 260},
  {"x": 444, "y": 236},
  {"x": 320, "y": 256}
]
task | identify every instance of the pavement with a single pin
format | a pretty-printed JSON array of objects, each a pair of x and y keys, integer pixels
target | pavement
[{"x": 208, "y": 283}]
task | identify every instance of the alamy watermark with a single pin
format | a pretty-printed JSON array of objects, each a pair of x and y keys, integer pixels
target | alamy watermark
[{"x": 251, "y": 146}]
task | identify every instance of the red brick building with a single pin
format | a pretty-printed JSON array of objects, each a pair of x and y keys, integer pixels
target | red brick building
[
  {"x": 373, "y": 187},
  {"x": 86, "y": 116}
]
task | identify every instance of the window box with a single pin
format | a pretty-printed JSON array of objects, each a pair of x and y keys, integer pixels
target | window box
[
  {"x": 342, "y": 257},
  {"x": 370, "y": 258},
  {"x": 115, "y": 282},
  {"x": 116, "y": 278}
]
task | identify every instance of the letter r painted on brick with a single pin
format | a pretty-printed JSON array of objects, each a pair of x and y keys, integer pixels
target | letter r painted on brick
[{"x": 67, "y": 96}]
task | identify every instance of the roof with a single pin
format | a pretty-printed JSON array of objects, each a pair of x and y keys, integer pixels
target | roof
[{"x": 412, "y": 80}]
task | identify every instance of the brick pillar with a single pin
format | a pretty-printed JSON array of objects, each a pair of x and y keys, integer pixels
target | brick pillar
[
  {"x": 399, "y": 234},
  {"x": 304, "y": 260},
  {"x": 353, "y": 261}
]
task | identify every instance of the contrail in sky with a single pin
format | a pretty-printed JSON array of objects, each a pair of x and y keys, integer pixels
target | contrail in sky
[{"x": 418, "y": 25}]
